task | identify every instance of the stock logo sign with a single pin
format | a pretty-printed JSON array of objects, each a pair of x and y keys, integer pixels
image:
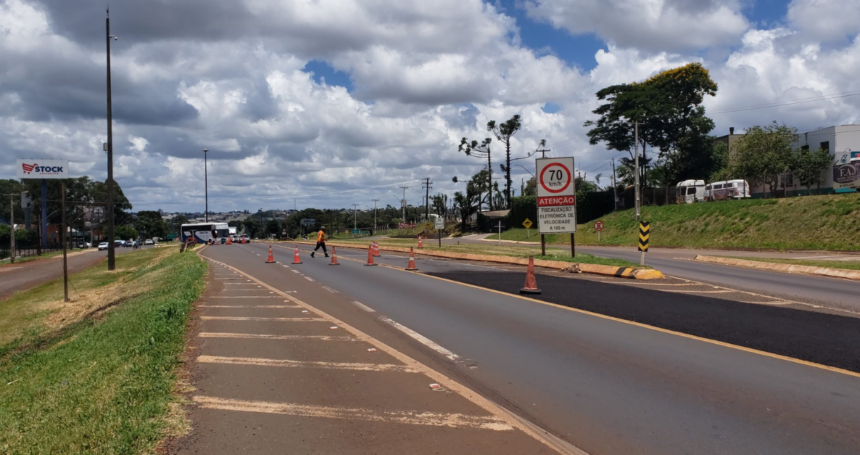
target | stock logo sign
[{"x": 43, "y": 169}]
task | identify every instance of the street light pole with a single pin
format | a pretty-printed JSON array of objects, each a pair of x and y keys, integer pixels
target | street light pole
[
  {"x": 12, "y": 225},
  {"x": 374, "y": 213},
  {"x": 355, "y": 217},
  {"x": 636, "y": 150},
  {"x": 110, "y": 190},
  {"x": 206, "y": 181}
]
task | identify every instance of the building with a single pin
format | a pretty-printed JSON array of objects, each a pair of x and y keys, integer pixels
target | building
[
  {"x": 730, "y": 139},
  {"x": 843, "y": 142}
]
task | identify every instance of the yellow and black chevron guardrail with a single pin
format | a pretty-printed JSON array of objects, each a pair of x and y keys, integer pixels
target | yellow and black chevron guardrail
[{"x": 644, "y": 235}]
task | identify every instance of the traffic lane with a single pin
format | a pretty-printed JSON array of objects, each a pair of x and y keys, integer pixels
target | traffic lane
[
  {"x": 249, "y": 401},
  {"x": 611, "y": 387},
  {"x": 25, "y": 275},
  {"x": 826, "y": 291}
]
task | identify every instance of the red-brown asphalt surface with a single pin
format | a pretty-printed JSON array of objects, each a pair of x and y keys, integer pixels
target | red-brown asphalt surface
[{"x": 604, "y": 385}]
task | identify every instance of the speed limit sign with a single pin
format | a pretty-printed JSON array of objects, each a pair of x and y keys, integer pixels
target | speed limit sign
[{"x": 556, "y": 195}]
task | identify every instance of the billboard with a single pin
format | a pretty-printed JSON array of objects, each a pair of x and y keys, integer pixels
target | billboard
[
  {"x": 556, "y": 195},
  {"x": 42, "y": 169}
]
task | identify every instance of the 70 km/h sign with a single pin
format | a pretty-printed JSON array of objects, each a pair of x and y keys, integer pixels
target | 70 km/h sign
[{"x": 556, "y": 196}]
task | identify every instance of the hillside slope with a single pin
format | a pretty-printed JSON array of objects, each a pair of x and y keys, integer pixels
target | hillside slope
[{"x": 812, "y": 222}]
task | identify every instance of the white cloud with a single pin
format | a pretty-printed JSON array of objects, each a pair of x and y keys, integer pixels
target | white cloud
[
  {"x": 825, "y": 20},
  {"x": 653, "y": 25}
]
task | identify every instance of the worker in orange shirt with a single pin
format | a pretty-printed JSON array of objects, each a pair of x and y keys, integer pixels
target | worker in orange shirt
[{"x": 320, "y": 242}]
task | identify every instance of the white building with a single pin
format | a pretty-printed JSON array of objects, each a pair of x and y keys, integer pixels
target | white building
[{"x": 843, "y": 142}]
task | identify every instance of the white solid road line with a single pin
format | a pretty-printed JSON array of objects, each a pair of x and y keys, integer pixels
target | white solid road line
[
  {"x": 356, "y": 414},
  {"x": 306, "y": 364},
  {"x": 420, "y": 338},
  {"x": 257, "y": 336},
  {"x": 249, "y": 306},
  {"x": 363, "y": 306},
  {"x": 252, "y": 318}
]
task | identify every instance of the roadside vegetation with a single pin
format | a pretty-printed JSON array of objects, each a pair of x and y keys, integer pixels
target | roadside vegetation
[
  {"x": 96, "y": 375},
  {"x": 828, "y": 222},
  {"x": 846, "y": 265}
]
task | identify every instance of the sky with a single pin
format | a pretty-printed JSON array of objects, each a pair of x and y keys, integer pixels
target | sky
[{"x": 329, "y": 103}]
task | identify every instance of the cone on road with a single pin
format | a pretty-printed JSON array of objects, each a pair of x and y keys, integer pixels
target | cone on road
[
  {"x": 531, "y": 284},
  {"x": 229, "y": 240},
  {"x": 370, "y": 256},
  {"x": 376, "y": 249},
  {"x": 334, "y": 257},
  {"x": 420, "y": 245},
  {"x": 296, "y": 258},
  {"x": 243, "y": 239},
  {"x": 411, "y": 265},
  {"x": 271, "y": 259}
]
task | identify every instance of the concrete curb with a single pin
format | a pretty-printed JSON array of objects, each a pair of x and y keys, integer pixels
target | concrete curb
[
  {"x": 605, "y": 270},
  {"x": 785, "y": 268}
]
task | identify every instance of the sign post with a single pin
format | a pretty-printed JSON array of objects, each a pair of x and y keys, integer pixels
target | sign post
[
  {"x": 598, "y": 226},
  {"x": 440, "y": 226},
  {"x": 528, "y": 224},
  {"x": 644, "y": 237},
  {"x": 556, "y": 199}
]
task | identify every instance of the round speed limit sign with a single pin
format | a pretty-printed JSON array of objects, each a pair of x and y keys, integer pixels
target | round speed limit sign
[{"x": 598, "y": 226}]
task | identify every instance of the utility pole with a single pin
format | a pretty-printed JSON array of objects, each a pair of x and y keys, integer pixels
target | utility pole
[
  {"x": 636, "y": 149},
  {"x": 111, "y": 246},
  {"x": 206, "y": 181},
  {"x": 614, "y": 185},
  {"x": 374, "y": 213},
  {"x": 426, "y": 185},
  {"x": 355, "y": 217},
  {"x": 403, "y": 204},
  {"x": 12, "y": 225},
  {"x": 65, "y": 262},
  {"x": 262, "y": 229}
]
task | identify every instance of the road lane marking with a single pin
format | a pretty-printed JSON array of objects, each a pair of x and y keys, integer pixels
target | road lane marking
[
  {"x": 246, "y": 296},
  {"x": 371, "y": 415},
  {"x": 363, "y": 306},
  {"x": 306, "y": 364},
  {"x": 420, "y": 338},
  {"x": 261, "y": 336},
  {"x": 684, "y": 291},
  {"x": 332, "y": 290},
  {"x": 249, "y": 306},
  {"x": 254, "y": 318},
  {"x": 309, "y": 278},
  {"x": 295, "y": 271},
  {"x": 536, "y": 432}
]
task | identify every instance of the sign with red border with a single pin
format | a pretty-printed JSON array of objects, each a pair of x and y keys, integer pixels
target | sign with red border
[
  {"x": 556, "y": 195},
  {"x": 598, "y": 226}
]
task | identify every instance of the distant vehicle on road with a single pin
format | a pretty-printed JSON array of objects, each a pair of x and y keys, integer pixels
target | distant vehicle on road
[
  {"x": 149, "y": 242},
  {"x": 103, "y": 246},
  {"x": 690, "y": 191},
  {"x": 118, "y": 243},
  {"x": 83, "y": 245},
  {"x": 203, "y": 232},
  {"x": 727, "y": 189}
]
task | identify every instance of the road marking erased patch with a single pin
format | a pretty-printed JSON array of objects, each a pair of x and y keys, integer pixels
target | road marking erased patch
[
  {"x": 306, "y": 364},
  {"x": 363, "y": 306},
  {"x": 371, "y": 415},
  {"x": 258, "y": 336},
  {"x": 420, "y": 338},
  {"x": 252, "y": 318}
]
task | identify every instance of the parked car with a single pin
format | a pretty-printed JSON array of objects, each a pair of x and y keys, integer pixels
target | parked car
[
  {"x": 690, "y": 191},
  {"x": 727, "y": 189},
  {"x": 118, "y": 243},
  {"x": 149, "y": 242},
  {"x": 103, "y": 246},
  {"x": 83, "y": 245}
]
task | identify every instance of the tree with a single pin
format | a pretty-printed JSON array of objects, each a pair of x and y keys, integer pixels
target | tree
[
  {"x": 125, "y": 232},
  {"x": 440, "y": 204},
  {"x": 238, "y": 224},
  {"x": 273, "y": 226},
  {"x": 531, "y": 187},
  {"x": 503, "y": 133},
  {"x": 808, "y": 167},
  {"x": 481, "y": 150},
  {"x": 762, "y": 154},
  {"x": 669, "y": 112},
  {"x": 150, "y": 224},
  {"x": 252, "y": 225}
]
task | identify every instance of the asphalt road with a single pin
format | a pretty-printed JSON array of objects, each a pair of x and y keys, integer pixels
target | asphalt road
[
  {"x": 25, "y": 275},
  {"x": 606, "y": 385},
  {"x": 835, "y": 292}
]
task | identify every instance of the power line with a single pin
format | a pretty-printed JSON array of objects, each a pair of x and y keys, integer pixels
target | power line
[{"x": 789, "y": 103}]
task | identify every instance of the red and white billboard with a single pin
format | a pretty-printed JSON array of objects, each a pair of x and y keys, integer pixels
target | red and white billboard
[{"x": 556, "y": 195}]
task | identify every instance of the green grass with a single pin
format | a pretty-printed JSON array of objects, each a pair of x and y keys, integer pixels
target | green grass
[
  {"x": 847, "y": 265},
  {"x": 553, "y": 254},
  {"x": 101, "y": 384},
  {"x": 830, "y": 222}
]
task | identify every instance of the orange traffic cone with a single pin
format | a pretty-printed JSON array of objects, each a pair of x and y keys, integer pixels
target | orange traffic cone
[
  {"x": 334, "y": 257},
  {"x": 243, "y": 239},
  {"x": 271, "y": 259},
  {"x": 420, "y": 245},
  {"x": 296, "y": 258},
  {"x": 229, "y": 241},
  {"x": 370, "y": 256},
  {"x": 531, "y": 284},
  {"x": 411, "y": 265},
  {"x": 376, "y": 249}
]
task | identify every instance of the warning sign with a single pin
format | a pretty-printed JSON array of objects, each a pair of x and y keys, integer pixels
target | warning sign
[{"x": 556, "y": 195}]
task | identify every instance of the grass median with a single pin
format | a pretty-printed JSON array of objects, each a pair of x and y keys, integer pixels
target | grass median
[
  {"x": 96, "y": 375},
  {"x": 553, "y": 254},
  {"x": 846, "y": 265}
]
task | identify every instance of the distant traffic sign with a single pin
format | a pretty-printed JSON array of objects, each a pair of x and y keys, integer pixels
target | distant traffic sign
[
  {"x": 527, "y": 223},
  {"x": 644, "y": 235},
  {"x": 440, "y": 222},
  {"x": 556, "y": 195},
  {"x": 427, "y": 225},
  {"x": 598, "y": 226}
]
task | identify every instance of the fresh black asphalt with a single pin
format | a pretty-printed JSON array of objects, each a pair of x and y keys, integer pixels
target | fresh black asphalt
[{"x": 815, "y": 337}]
